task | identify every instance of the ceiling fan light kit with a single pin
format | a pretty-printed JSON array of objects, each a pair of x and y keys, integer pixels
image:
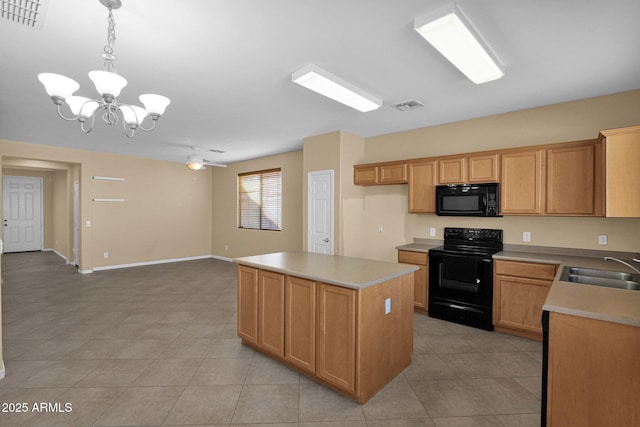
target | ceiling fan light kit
[
  {"x": 108, "y": 84},
  {"x": 452, "y": 34}
]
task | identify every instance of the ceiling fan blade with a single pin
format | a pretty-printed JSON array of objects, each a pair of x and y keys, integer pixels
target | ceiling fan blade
[{"x": 220, "y": 165}]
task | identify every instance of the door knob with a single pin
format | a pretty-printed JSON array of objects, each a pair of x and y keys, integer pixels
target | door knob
[{"x": 326, "y": 240}]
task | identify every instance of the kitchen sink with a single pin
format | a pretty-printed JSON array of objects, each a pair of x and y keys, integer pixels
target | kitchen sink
[{"x": 611, "y": 279}]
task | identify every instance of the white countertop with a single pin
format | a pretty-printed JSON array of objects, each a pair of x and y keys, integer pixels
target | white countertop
[{"x": 348, "y": 272}]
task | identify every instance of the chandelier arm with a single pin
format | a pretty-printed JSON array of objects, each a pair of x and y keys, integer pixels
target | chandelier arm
[
  {"x": 126, "y": 133},
  {"x": 93, "y": 118},
  {"x": 153, "y": 125},
  {"x": 69, "y": 119}
]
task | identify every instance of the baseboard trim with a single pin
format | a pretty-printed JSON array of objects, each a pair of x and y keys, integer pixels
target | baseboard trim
[
  {"x": 141, "y": 264},
  {"x": 222, "y": 258}
]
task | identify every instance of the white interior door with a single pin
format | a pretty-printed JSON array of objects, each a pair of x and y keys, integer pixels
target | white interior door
[
  {"x": 320, "y": 212},
  {"x": 21, "y": 213}
]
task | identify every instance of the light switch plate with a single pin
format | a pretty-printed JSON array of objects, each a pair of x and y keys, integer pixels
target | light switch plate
[{"x": 602, "y": 239}]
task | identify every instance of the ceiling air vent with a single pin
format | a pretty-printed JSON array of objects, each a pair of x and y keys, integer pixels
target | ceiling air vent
[
  {"x": 24, "y": 12},
  {"x": 408, "y": 105},
  {"x": 213, "y": 150}
]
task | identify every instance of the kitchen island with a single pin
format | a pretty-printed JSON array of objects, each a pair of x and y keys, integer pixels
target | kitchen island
[{"x": 345, "y": 322}]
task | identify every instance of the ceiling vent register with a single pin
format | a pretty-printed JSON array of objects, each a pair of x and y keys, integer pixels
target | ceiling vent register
[
  {"x": 24, "y": 12},
  {"x": 408, "y": 105}
]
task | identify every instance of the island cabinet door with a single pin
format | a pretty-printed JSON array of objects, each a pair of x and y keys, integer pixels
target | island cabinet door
[
  {"x": 300, "y": 323},
  {"x": 336, "y": 358},
  {"x": 248, "y": 304},
  {"x": 271, "y": 312}
]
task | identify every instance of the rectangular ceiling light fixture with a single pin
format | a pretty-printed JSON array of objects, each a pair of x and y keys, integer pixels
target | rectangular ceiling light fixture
[
  {"x": 451, "y": 33},
  {"x": 321, "y": 81}
]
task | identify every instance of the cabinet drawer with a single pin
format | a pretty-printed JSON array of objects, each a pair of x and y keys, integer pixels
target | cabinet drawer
[
  {"x": 526, "y": 269},
  {"x": 409, "y": 257}
]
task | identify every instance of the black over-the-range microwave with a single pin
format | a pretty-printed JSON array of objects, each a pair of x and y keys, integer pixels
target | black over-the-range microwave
[{"x": 468, "y": 200}]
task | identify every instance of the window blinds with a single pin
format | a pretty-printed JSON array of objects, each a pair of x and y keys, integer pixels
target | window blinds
[{"x": 260, "y": 200}]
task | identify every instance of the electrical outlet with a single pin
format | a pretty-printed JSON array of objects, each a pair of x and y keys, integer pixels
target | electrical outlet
[
  {"x": 105, "y": 255},
  {"x": 380, "y": 229},
  {"x": 526, "y": 236},
  {"x": 387, "y": 306},
  {"x": 602, "y": 239},
  {"x": 432, "y": 232},
  {"x": 226, "y": 247}
]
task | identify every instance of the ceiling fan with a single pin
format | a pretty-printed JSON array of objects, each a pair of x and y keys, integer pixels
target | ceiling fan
[{"x": 196, "y": 162}]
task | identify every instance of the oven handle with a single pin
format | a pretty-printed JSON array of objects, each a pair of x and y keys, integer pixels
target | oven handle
[{"x": 458, "y": 307}]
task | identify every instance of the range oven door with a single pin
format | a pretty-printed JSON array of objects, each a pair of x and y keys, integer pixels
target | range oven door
[{"x": 461, "y": 288}]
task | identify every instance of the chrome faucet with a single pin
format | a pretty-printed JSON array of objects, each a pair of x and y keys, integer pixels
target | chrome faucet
[{"x": 610, "y": 258}]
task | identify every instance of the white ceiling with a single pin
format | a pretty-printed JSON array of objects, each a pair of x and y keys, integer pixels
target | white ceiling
[{"x": 226, "y": 66}]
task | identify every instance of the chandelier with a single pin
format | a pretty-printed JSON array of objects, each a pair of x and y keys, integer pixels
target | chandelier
[{"x": 109, "y": 84}]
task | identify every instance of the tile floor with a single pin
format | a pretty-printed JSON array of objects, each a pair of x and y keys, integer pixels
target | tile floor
[{"x": 152, "y": 346}]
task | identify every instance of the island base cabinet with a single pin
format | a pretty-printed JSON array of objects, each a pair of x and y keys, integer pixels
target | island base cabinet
[
  {"x": 248, "y": 304},
  {"x": 300, "y": 323},
  {"x": 271, "y": 312},
  {"x": 337, "y": 336},
  {"x": 353, "y": 341},
  {"x": 593, "y": 375}
]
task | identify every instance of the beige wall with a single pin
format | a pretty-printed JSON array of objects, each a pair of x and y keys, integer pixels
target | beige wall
[
  {"x": 166, "y": 213},
  {"x": 242, "y": 242},
  {"x": 387, "y": 205},
  {"x": 337, "y": 151}
]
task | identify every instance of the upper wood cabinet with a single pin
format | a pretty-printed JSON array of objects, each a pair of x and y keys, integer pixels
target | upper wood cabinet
[
  {"x": 365, "y": 175},
  {"x": 380, "y": 173},
  {"x": 583, "y": 178},
  {"x": 483, "y": 168},
  {"x": 422, "y": 190},
  {"x": 521, "y": 182},
  {"x": 452, "y": 171},
  {"x": 574, "y": 183},
  {"x": 622, "y": 171}
]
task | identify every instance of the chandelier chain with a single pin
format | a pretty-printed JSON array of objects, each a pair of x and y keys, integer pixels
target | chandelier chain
[
  {"x": 108, "y": 55},
  {"x": 111, "y": 34}
]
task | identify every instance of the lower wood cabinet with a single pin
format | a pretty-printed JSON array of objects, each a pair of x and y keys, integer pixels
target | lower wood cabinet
[
  {"x": 300, "y": 323},
  {"x": 271, "y": 312},
  {"x": 420, "y": 278},
  {"x": 248, "y": 310},
  {"x": 519, "y": 292},
  {"x": 593, "y": 374},
  {"x": 341, "y": 337},
  {"x": 337, "y": 336}
]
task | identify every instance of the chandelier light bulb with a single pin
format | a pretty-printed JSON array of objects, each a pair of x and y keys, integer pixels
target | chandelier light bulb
[
  {"x": 133, "y": 115},
  {"x": 108, "y": 83},
  {"x": 81, "y": 106},
  {"x": 58, "y": 85},
  {"x": 154, "y": 104}
]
